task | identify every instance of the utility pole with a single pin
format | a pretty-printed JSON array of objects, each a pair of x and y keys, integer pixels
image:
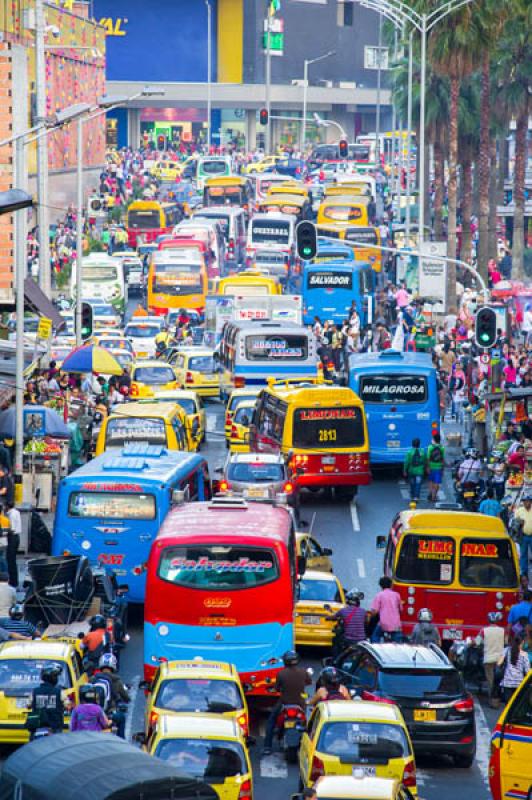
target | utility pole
[
  {"x": 268, "y": 84},
  {"x": 209, "y": 71},
  {"x": 42, "y": 151}
]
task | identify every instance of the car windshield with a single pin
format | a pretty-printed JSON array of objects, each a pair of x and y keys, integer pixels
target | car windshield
[
  {"x": 142, "y": 331},
  {"x": 194, "y": 694},
  {"x": 248, "y": 472},
  {"x": 24, "y": 674},
  {"x": 154, "y": 375},
  {"x": 363, "y": 742},
  {"x": 326, "y": 591},
  {"x": 240, "y": 398},
  {"x": 419, "y": 682},
  {"x": 209, "y": 760},
  {"x": 201, "y": 363}
]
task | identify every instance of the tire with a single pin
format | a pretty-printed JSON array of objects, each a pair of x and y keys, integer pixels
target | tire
[
  {"x": 291, "y": 754},
  {"x": 464, "y": 761}
]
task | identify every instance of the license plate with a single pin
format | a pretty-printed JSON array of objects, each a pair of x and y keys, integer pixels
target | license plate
[
  {"x": 311, "y": 620},
  {"x": 22, "y": 702},
  {"x": 328, "y": 469},
  {"x": 368, "y": 772},
  {"x": 469, "y": 494},
  {"x": 393, "y": 443},
  {"x": 451, "y": 633},
  {"x": 142, "y": 353},
  {"x": 256, "y": 492},
  {"x": 328, "y": 460},
  {"x": 289, "y": 724},
  {"x": 424, "y": 715}
]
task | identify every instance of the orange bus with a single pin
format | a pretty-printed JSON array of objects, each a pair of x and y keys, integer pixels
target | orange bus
[{"x": 177, "y": 278}]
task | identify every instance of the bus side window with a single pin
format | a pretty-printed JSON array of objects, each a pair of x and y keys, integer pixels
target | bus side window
[
  {"x": 389, "y": 557},
  {"x": 191, "y": 483},
  {"x": 207, "y": 489}
]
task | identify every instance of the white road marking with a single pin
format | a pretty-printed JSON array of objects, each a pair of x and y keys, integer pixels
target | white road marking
[
  {"x": 483, "y": 742},
  {"x": 273, "y": 766},
  {"x": 354, "y": 516},
  {"x": 133, "y": 694},
  {"x": 361, "y": 568},
  {"x": 211, "y": 423}
]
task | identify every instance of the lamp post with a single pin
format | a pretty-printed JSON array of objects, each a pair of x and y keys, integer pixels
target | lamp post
[
  {"x": 306, "y": 65},
  {"x": 378, "y": 109},
  {"x": 42, "y": 150},
  {"x": 423, "y": 23},
  {"x": 267, "y": 86},
  {"x": 209, "y": 70}
]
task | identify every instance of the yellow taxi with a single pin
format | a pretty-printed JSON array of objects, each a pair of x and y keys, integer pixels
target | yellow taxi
[
  {"x": 344, "y": 736},
  {"x": 320, "y": 595},
  {"x": 264, "y": 165},
  {"x": 210, "y": 748},
  {"x": 358, "y": 787},
  {"x": 510, "y": 766},
  {"x": 238, "y": 437},
  {"x": 20, "y": 671},
  {"x": 162, "y": 424},
  {"x": 194, "y": 410},
  {"x": 236, "y": 397},
  {"x": 169, "y": 171},
  {"x": 316, "y": 557},
  {"x": 197, "y": 686},
  {"x": 195, "y": 369},
  {"x": 151, "y": 376}
]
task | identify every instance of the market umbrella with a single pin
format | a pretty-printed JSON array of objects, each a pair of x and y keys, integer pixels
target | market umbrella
[
  {"x": 91, "y": 358},
  {"x": 38, "y": 421}
]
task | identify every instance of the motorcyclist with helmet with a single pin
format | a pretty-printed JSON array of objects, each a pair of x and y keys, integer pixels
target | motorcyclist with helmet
[
  {"x": 95, "y": 642},
  {"x": 469, "y": 476},
  {"x": 425, "y": 632},
  {"x": 117, "y": 694},
  {"x": 16, "y": 625},
  {"x": 331, "y": 687},
  {"x": 47, "y": 708},
  {"x": 88, "y": 715},
  {"x": 351, "y": 619},
  {"x": 291, "y": 684}
]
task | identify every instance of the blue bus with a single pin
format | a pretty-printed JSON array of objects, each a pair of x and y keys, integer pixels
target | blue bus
[
  {"x": 329, "y": 288},
  {"x": 111, "y": 509},
  {"x": 400, "y": 395}
]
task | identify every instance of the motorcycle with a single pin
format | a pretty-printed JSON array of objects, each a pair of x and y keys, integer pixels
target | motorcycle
[
  {"x": 291, "y": 725},
  {"x": 468, "y": 657},
  {"x": 469, "y": 495}
]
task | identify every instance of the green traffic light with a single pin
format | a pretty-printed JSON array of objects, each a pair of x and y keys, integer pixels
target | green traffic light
[{"x": 485, "y": 337}]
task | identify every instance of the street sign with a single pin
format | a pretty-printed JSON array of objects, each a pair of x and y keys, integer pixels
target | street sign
[
  {"x": 432, "y": 272},
  {"x": 485, "y": 358},
  {"x": 44, "y": 331}
]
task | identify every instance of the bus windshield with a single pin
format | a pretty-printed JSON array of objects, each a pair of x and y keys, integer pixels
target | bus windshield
[
  {"x": 487, "y": 562},
  {"x": 193, "y": 694},
  {"x": 177, "y": 279},
  {"x": 425, "y": 559},
  {"x": 345, "y": 213},
  {"x": 135, "y": 429},
  {"x": 218, "y": 566},
  {"x": 209, "y": 760},
  {"x": 111, "y": 505},
  {"x": 393, "y": 389},
  {"x": 270, "y": 232},
  {"x": 328, "y": 427},
  {"x": 213, "y": 167},
  {"x": 222, "y": 195},
  {"x": 150, "y": 218},
  {"x": 268, "y": 346}
]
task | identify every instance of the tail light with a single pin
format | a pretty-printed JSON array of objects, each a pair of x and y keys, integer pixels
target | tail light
[
  {"x": 154, "y": 717},
  {"x": 376, "y": 698},
  {"x": 292, "y": 713},
  {"x": 240, "y": 383},
  {"x": 288, "y": 488},
  {"x": 134, "y": 390},
  {"x": 245, "y": 792},
  {"x": 243, "y": 722},
  {"x": 189, "y": 378},
  {"x": 317, "y": 769},
  {"x": 224, "y": 486},
  {"x": 464, "y": 706},
  {"x": 409, "y": 775},
  {"x": 228, "y": 419},
  {"x": 234, "y": 431}
]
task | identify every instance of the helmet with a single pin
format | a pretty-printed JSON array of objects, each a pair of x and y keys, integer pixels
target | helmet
[
  {"x": 353, "y": 595},
  {"x": 88, "y": 694},
  {"x": 472, "y": 452},
  {"x": 97, "y": 621},
  {"x": 425, "y": 615},
  {"x": 290, "y": 658},
  {"x": 494, "y": 616},
  {"x": 50, "y": 674},
  {"x": 330, "y": 677},
  {"x": 17, "y": 611},
  {"x": 108, "y": 661}
]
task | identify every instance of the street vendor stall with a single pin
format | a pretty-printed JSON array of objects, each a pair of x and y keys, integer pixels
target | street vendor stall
[{"x": 511, "y": 405}]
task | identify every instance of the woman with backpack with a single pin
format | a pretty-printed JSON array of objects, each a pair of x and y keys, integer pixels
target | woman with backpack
[
  {"x": 515, "y": 665},
  {"x": 414, "y": 468},
  {"x": 436, "y": 463}
]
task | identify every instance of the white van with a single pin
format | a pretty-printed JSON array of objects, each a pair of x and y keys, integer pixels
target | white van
[
  {"x": 271, "y": 243},
  {"x": 233, "y": 223}
]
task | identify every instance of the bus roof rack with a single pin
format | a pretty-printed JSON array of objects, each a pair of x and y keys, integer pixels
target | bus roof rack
[
  {"x": 228, "y": 500},
  {"x": 136, "y": 449},
  {"x": 120, "y": 463}
]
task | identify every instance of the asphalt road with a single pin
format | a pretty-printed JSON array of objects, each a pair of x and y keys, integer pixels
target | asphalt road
[{"x": 351, "y": 531}]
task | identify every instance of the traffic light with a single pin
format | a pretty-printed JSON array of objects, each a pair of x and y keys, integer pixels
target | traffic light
[
  {"x": 161, "y": 142},
  {"x": 343, "y": 148},
  {"x": 486, "y": 327},
  {"x": 263, "y": 116},
  {"x": 87, "y": 321},
  {"x": 306, "y": 240}
]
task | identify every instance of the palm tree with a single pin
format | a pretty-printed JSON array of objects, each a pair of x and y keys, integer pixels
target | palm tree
[{"x": 468, "y": 147}]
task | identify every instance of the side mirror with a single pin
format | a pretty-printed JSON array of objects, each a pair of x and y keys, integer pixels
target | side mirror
[
  {"x": 380, "y": 542},
  {"x": 301, "y": 565}
]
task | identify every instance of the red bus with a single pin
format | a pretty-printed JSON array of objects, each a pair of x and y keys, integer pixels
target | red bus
[
  {"x": 148, "y": 219},
  {"x": 221, "y": 579}
]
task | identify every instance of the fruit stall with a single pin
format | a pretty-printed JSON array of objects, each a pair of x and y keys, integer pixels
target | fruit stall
[{"x": 45, "y": 463}]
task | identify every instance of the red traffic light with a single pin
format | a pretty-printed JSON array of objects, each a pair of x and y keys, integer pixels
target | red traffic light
[
  {"x": 263, "y": 116},
  {"x": 343, "y": 148},
  {"x": 161, "y": 142}
]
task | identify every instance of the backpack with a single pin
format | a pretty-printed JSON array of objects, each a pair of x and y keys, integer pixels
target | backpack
[
  {"x": 417, "y": 460},
  {"x": 436, "y": 456},
  {"x": 103, "y": 686}
]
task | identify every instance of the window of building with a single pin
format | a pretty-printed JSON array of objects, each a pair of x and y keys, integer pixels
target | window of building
[
  {"x": 345, "y": 13},
  {"x": 372, "y": 56}
]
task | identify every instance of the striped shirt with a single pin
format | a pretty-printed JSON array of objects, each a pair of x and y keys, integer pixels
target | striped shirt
[
  {"x": 353, "y": 618},
  {"x": 514, "y": 673},
  {"x": 21, "y": 626}
]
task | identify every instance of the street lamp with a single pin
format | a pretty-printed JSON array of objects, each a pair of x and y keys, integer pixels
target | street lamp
[
  {"x": 423, "y": 23},
  {"x": 209, "y": 70},
  {"x": 306, "y": 64},
  {"x": 327, "y": 123},
  {"x": 105, "y": 104}
]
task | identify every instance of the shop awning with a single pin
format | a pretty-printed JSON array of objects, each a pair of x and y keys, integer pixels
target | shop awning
[{"x": 36, "y": 300}]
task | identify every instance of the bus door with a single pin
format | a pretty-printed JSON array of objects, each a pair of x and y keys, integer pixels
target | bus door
[{"x": 510, "y": 769}]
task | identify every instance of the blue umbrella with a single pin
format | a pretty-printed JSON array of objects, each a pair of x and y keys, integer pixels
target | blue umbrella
[{"x": 38, "y": 421}]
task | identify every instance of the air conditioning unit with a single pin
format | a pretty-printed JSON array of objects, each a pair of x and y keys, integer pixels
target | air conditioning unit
[
  {"x": 347, "y": 85},
  {"x": 327, "y": 84},
  {"x": 299, "y": 82}
]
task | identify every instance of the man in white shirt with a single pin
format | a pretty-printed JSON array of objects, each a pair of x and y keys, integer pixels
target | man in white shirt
[
  {"x": 493, "y": 638},
  {"x": 8, "y": 596}
]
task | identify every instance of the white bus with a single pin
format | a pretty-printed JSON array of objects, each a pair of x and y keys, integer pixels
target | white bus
[{"x": 102, "y": 278}]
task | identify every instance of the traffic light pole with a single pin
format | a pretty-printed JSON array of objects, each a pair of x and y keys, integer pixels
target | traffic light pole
[
  {"x": 79, "y": 230},
  {"x": 268, "y": 84}
]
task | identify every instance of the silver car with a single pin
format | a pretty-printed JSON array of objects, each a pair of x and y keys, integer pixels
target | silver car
[{"x": 257, "y": 476}]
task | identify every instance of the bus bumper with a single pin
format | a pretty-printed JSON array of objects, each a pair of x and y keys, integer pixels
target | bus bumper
[{"x": 323, "y": 479}]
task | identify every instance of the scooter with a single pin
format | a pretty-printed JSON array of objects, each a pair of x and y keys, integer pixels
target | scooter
[{"x": 291, "y": 725}]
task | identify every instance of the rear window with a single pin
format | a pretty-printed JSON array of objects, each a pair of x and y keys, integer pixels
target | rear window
[
  {"x": 195, "y": 694},
  {"x": 218, "y": 566},
  {"x": 214, "y": 167},
  {"x": 328, "y": 427},
  {"x": 111, "y": 504},
  {"x": 326, "y": 591},
  {"x": 425, "y": 559},
  {"x": 393, "y": 389},
  {"x": 363, "y": 742},
  {"x": 270, "y": 231},
  {"x": 422, "y": 683},
  {"x": 256, "y": 473},
  {"x": 201, "y": 363},
  {"x": 267, "y": 347},
  {"x": 135, "y": 429},
  {"x": 487, "y": 562},
  {"x": 208, "y": 760},
  {"x": 240, "y": 398},
  {"x": 154, "y": 375},
  {"x": 24, "y": 674},
  {"x": 142, "y": 331}
]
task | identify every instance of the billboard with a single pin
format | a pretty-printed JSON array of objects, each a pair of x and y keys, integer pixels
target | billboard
[{"x": 156, "y": 40}]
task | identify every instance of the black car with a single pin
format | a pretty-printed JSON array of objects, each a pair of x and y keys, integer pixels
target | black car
[{"x": 429, "y": 690}]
